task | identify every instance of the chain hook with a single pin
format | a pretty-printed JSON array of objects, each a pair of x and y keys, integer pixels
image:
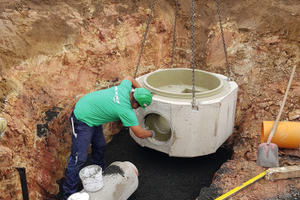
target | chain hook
[
  {"x": 144, "y": 40},
  {"x": 174, "y": 34},
  {"x": 224, "y": 46},
  {"x": 193, "y": 56}
]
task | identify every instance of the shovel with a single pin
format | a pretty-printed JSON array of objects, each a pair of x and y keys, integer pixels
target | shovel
[{"x": 267, "y": 154}]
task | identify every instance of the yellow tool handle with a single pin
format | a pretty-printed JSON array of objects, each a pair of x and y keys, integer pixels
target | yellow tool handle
[{"x": 235, "y": 190}]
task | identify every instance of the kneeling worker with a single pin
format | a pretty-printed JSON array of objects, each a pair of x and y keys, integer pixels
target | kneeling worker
[{"x": 95, "y": 109}]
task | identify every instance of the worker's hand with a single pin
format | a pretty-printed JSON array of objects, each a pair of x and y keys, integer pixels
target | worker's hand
[{"x": 153, "y": 133}]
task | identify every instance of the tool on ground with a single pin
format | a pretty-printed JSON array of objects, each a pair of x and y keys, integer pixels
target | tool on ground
[
  {"x": 22, "y": 173},
  {"x": 237, "y": 189},
  {"x": 267, "y": 154},
  {"x": 286, "y": 172},
  {"x": 271, "y": 174}
]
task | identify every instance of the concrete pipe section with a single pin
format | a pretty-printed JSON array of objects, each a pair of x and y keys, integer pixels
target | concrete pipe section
[
  {"x": 117, "y": 182},
  {"x": 180, "y": 130}
]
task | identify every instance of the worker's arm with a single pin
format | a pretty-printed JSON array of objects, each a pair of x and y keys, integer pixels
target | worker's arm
[
  {"x": 134, "y": 83},
  {"x": 140, "y": 132}
]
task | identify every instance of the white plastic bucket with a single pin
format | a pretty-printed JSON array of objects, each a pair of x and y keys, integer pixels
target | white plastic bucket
[
  {"x": 79, "y": 196},
  {"x": 91, "y": 177},
  {"x": 120, "y": 181}
]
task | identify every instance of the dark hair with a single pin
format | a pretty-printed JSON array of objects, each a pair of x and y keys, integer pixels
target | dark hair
[{"x": 134, "y": 100}]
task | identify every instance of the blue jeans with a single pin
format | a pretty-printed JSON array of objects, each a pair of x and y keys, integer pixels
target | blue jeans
[{"x": 82, "y": 137}]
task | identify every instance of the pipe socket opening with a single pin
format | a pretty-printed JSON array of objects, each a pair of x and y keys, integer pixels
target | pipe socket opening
[{"x": 160, "y": 125}]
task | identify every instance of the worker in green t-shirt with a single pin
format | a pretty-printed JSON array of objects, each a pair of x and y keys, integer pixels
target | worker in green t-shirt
[{"x": 95, "y": 109}]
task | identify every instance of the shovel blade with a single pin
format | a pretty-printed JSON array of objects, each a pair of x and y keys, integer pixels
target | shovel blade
[{"x": 267, "y": 155}]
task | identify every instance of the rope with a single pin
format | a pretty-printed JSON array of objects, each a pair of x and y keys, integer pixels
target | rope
[
  {"x": 143, "y": 44},
  {"x": 218, "y": 10},
  {"x": 174, "y": 38}
]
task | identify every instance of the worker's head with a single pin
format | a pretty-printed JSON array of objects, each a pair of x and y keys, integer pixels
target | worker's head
[{"x": 143, "y": 97}]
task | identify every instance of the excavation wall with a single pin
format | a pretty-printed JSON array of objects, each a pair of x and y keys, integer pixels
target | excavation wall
[{"x": 53, "y": 52}]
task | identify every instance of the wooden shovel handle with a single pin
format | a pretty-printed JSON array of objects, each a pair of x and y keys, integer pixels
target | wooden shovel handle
[{"x": 281, "y": 107}]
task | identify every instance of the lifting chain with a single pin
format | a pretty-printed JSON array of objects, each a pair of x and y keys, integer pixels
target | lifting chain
[
  {"x": 218, "y": 10},
  {"x": 194, "y": 106},
  {"x": 174, "y": 34},
  {"x": 143, "y": 44}
]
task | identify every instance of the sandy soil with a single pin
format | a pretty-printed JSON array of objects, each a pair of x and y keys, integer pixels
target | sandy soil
[{"x": 48, "y": 47}]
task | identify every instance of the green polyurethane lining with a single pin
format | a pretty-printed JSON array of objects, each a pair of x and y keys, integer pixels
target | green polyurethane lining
[{"x": 212, "y": 85}]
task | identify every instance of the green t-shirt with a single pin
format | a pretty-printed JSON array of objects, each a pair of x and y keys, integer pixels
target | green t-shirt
[{"x": 107, "y": 105}]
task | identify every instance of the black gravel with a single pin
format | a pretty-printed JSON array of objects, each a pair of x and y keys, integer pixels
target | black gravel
[{"x": 162, "y": 177}]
